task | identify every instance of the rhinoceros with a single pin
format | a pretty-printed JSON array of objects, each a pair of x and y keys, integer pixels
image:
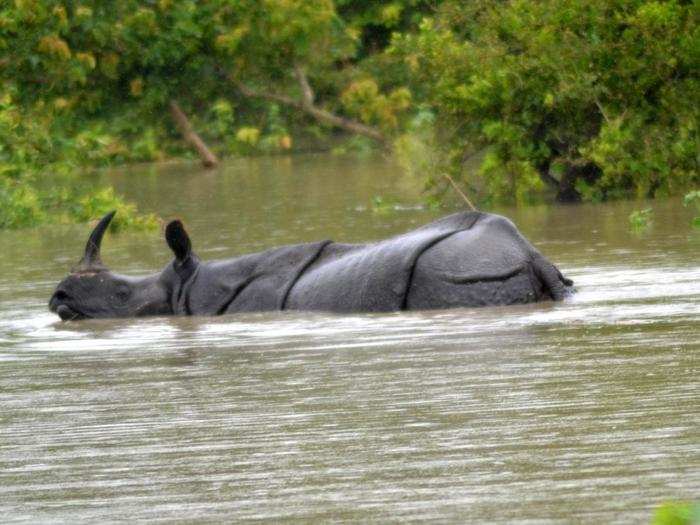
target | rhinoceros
[{"x": 463, "y": 260}]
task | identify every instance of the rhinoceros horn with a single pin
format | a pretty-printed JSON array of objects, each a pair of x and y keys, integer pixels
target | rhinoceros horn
[{"x": 91, "y": 261}]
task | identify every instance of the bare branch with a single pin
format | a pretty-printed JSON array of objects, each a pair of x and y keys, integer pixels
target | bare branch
[
  {"x": 306, "y": 92},
  {"x": 458, "y": 190},
  {"x": 209, "y": 160},
  {"x": 308, "y": 107},
  {"x": 602, "y": 111}
]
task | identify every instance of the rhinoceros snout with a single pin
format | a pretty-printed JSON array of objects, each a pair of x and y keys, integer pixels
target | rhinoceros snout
[
  {"x": 59, "y": 297},
  {"x": 59, "y": 305}
]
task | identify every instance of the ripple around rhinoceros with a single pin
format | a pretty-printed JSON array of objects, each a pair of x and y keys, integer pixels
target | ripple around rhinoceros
[{"x": 606, "y": 295}]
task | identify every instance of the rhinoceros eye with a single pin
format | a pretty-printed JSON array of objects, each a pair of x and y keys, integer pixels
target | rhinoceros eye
[{"x": 123, "y": 292}]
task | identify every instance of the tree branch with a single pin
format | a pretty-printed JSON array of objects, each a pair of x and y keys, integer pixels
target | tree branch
[
  {"x": 543, "y": 169},
  {"x": 307, "y": 105},
  {"x": 458, "y": 190},
  {"x": 209, "y": 160},
  {"x": 306, "y": 92},
  {"x": 601, "y": 110}
]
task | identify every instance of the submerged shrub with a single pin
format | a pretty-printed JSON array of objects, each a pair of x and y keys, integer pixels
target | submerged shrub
[
  {"x": 677, "y": 513},
  {"x": 96, "y": 204},
  {"x": 640, "y": 219}
]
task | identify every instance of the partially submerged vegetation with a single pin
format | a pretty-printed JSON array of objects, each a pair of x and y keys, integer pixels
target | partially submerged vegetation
[
  {"x": 692, "y": 199},
  {"x": 641, "y": 220},
  {"x": 677, "y": 513},
  {"x": 39, "y": 159},
  {"x": 580, "y": 100}
]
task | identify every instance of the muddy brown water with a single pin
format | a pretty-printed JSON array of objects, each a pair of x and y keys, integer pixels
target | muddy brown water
[{"x": 586, "y": 411}]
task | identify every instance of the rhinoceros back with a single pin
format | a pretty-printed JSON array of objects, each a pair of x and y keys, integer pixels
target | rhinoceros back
[
  {"x": 465, "y": 259},
  {"x": 370, "y": 277},
  {"x": 489, "y": 264},
  {"x": 252, "y": 283}
]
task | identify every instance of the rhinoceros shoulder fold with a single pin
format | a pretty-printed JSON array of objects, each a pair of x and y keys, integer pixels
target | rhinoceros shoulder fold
[{"x": 250, "y": 283}]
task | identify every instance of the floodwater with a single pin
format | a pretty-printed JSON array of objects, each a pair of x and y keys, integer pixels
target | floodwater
[{"x": 586, "y": 411}]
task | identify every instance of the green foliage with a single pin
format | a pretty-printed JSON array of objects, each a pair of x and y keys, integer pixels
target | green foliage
[
  {"x": 640, "y": 219},
  {"x": 99, "y": 203},
  {"x": 37, "y": 166},
  {"x": 418, "y": 151},
  {"x": 364, "y": 99},
  {"x": 589, "y": 100},
  {"x": 596, "y": 99},
  {"x": 677, "y": 513},
  {"x": 357, "y": 145},
  {"x": 19, "y": 204},
  {"x": 690, "y": 199}
]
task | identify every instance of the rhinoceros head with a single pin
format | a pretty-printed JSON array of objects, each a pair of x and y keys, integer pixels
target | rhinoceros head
[{"x": 92, "y": 291}]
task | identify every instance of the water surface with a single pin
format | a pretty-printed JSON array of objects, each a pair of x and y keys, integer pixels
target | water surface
[{"x": 585, "y": 411}]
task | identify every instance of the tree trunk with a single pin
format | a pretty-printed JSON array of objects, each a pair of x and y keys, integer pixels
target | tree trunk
[
  {"x": 567, "y": 189},
  {"x": 577, "y": 170},
  {"x": 209, "y": 160}
]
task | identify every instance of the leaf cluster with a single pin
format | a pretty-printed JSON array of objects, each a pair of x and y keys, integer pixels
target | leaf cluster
[{"x": 595, "y": 99}]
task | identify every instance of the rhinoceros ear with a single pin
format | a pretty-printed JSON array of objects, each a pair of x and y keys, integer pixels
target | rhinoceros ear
[{"x": 178, "y": 240}]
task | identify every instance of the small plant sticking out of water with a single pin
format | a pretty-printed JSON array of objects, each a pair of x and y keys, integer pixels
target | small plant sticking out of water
[
  {"x": 640, "y": 220},
  {"x": 693, "y": 199},
  {"x": 677, "y": 513},
  {"x": 382, "y": 204}
]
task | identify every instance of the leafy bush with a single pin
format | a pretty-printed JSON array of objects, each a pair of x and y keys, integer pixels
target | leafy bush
[
  {"x": 595, "y": 100},
  {"x": 38, "y": 166},
  {"x": 97, "y": 204},
  {"x": 19, "y": 205}
]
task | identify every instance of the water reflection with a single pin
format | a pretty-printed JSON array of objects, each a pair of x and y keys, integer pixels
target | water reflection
[{"x": 581, "y": 411}]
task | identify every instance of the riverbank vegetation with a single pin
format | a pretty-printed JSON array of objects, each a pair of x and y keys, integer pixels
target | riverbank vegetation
[{"x": 574, "y": 100}]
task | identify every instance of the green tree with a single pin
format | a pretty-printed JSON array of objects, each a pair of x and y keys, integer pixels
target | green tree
[
  {"x": 596, "y": 99},
  {"x": 593, "y": 98}
]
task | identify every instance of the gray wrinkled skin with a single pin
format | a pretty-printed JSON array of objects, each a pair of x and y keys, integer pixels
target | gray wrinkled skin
[{"x": 465, "y": 259}]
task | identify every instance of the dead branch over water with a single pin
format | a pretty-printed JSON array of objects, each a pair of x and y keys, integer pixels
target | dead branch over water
[
  {"x": 307, "y": 105},
  {"x": 209, "y": 160}
]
